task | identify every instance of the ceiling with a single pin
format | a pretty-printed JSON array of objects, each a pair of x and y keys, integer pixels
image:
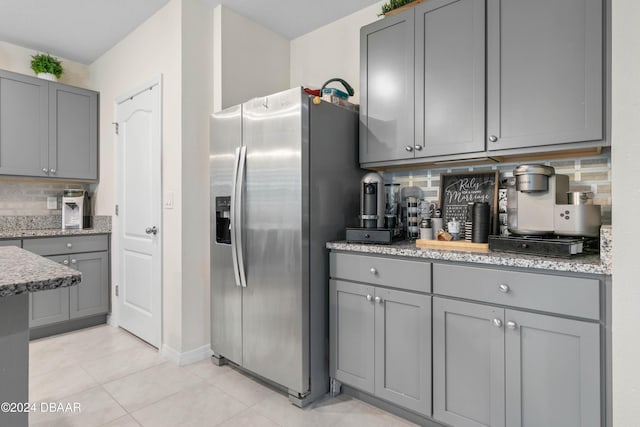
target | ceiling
[{"x": 82, "y": 30}]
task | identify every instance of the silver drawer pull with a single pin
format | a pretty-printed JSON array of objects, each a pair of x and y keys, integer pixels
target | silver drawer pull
[
  {"x": 497, "y": 322},
  {"x": 504, "y": 288},
  {"x": 45, "y": 170},
  {"x": 373, "y": 271},
  {"x": 512, "y": 325},
  {"x": 73, "y": 261},
  {"x": 378, "y": 300},
  {"x": 65, "y": 262},
  {"x": 69, "y": 245},
  {"x": 369, "y": 297}
]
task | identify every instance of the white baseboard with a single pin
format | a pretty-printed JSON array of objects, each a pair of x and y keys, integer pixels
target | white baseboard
[{"x": 188, "y": 357}]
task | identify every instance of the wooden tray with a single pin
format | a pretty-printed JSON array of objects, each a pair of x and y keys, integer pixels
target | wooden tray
[{"x": 453, "y": 245}]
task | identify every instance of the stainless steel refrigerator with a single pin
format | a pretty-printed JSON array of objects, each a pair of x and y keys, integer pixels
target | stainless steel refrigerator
[{"x": 284, "y": 180}]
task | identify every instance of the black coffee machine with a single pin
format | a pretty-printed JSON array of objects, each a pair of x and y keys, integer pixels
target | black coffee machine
[{"x": 372, "y": 209}]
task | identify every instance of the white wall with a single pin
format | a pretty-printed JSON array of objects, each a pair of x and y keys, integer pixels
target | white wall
[
  {"x": 625, "y": 157},
  {"x": 18, "y": 59},
  {"x": 249, "y": 60},
  {"x": 331, "y": 51},
  {"x": 197, "y": 105},
  {"x": 151, "y": 49}
]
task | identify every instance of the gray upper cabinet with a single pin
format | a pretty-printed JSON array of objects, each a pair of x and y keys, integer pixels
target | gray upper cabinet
[
  {"x": 24, "y": 118},
  {"x": 47, "y": 129},
  {"x": 387, "y": 89},
  {"x": 449, "y": 77},
  {"x": 73, "y": 132},
  {"x": 544, "y": 72}
]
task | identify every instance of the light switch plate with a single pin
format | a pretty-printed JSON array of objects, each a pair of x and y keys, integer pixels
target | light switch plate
[
  {"x": 168, "y": 200},
  {"x": 52, "y": 203}
]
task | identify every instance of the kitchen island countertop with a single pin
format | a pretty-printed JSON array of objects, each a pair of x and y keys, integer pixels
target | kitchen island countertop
[
  {"x": 590, "y": 264},
  {"x": 23, "y": 271}
]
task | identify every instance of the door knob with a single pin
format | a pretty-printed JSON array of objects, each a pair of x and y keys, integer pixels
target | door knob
[
  {"x": 497, "y": 322},
  {"x": 369, "y": 297},
  {"x": 418, "y": 147},
  {"x": 512, "y": 325},
  {"x": 53, "y": 171},
  {"x": 504, "y": 288},
  {"x": 151, "y": 230},
  {"x": 378, "y": 300},
  {"x": 408, "y": 148},
  {"x": 373, "y": 271},
  {"x": 493, "y": 138},
  {"x": 45, "y": 170}
]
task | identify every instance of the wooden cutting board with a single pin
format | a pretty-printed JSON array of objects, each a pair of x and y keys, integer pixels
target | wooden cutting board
[{"x": 453, "y": 245}]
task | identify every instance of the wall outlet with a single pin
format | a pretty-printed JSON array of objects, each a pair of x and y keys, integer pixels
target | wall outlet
[{"x": 52, "y": 202}]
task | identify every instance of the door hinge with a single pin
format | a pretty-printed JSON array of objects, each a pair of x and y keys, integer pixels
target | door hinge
[
  {"x": 117, "y": 127},
  {"x": 117, "y": 210},
  {"x": 117, "y": 290}
]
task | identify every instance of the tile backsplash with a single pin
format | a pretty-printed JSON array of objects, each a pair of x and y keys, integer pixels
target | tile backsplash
[
  {"x": 30, "y": 197},
  {"x": 585, "y": 174}
]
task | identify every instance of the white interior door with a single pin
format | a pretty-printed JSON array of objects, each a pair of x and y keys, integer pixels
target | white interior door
[{"x": 139, "y": 218}]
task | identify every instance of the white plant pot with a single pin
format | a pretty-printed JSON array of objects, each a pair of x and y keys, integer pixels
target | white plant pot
[{"x": 47, "y": 76}]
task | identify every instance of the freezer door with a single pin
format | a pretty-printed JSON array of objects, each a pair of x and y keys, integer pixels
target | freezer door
[
  {"x": 275, "y": 213},
  {"x": 226, "y": 295}
]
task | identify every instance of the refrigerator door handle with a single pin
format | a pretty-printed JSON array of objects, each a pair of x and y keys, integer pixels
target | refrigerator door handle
[
  {"x": 239, "y": 196},
  {"x": 234, "y": 214}
]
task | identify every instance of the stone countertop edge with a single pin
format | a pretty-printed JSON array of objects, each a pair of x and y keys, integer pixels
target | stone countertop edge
[
  {"x": 22, "y": 271},
  {"x": 589, "y": 264},
  {"x": 22, "y": 234}
]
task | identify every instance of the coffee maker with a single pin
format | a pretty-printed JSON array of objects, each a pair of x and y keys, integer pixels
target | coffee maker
[
  {"x": 538, "y": 204},
  {"x": 76, "y": 210},
  {"x": 372, "y": 213}
]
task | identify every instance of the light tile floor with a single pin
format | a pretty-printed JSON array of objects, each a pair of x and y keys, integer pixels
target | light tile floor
[{"x": 120, "y": 381}]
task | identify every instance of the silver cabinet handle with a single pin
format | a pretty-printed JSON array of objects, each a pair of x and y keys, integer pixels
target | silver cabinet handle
[
  {"x": 378, "y": 300},
  {"x": 53, "y": 171},
  {"x": 65, "y": 262},
  {"x": 369, "y": 297},
  {"x": 151, "y": 230},
  {"x": 408, "y": 148},
  {"x": 504, "y": 288},
  {"x": 69, "y": 245},
  {"x": 418, "y": 147},
  {"x": 45, "y": 170},
  {"x": 373, "y": 271},
  {"x": 73, "y": 261},
  {"x": 497, "y": 322},
  {"x": 512, "y": 325},
  {"x": 493, "y": 138}
]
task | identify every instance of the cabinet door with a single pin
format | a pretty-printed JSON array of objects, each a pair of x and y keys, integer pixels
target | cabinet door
[
  {"x": 387, "y": 89},
  {"x": 403, "y": 349},
  {"x": 544, "y": 69},
  {"x": 450, "y": 52},
  {"x": 352, "y": 324},
  {"x": 52, "y": 306},
  {"x": 73, "y": 132},
  {"x": 23, "y": 125},
  {"x": 552, "y": 371},
  {"x": 91, "y": 296},
  {"x": 17, "y": 243},
  {"x": 468, "y": 364}
]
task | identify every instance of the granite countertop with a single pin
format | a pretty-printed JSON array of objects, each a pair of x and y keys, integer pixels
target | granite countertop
[
  {"x": 23, "y": 271},
  {"x": 20, "y": 227},
  {"x": 591, "y": 264}
]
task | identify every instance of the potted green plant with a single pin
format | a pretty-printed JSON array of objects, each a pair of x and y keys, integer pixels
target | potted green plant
[
  {"x": 392, "y": 5},
  {"x": 46, "y": 66}
]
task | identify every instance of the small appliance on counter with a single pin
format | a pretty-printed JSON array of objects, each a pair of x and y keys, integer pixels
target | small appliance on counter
[
  {"x": 76, "y": 210},
  {"x": 546, "y": 218},
  {"x": 372, "y": 214}
]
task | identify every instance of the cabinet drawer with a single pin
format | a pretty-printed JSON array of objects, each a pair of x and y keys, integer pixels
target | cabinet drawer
[
  {"x": 397, "y": 273},
  {"x": 570, "y": 296},
  {"x": 17, "y": 243},
  {"x": 66, "y": 245}
]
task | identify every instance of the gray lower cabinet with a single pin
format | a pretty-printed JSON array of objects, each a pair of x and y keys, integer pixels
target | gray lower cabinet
[
  {"x": 47, "y": 129},
  {"x": 47, "y": 307},
  {"x": 90, "y": 297},
  {"x": 17, "y": 243},
  {"x": 502, "y": 367},
  {"x": 544, "y": 72},
  {"x": 381, "y": 342}
]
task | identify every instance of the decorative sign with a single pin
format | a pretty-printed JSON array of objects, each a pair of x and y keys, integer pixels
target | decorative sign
[{"x": 457, "y": 190}]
